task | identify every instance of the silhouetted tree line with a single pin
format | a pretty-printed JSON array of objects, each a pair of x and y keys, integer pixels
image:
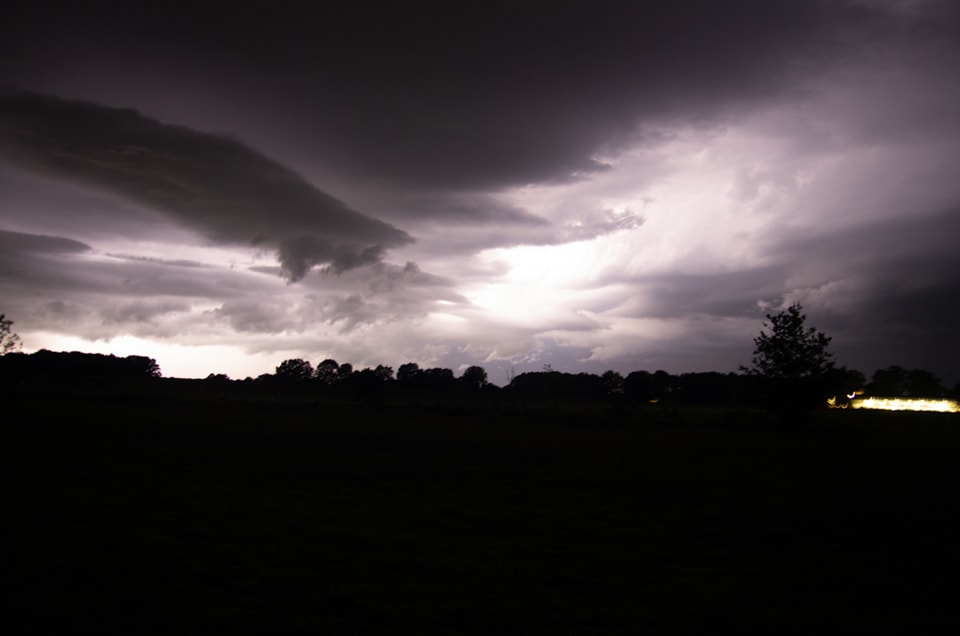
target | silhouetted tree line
[
  {"x": 380, "y": 382},
  {"x": 896, "y": 381},
  {"x": 638, "y": 387},
  {"x": 75, "y": 365},
  {"x": 372, "y": 383}
]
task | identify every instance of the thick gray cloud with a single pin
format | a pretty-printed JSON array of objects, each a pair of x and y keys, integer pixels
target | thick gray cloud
[
  {"x": 213, "y": 184},
  {"x": 37, "y": 263},
  {"x": 889, "y": 291},
  {"x": 470, "y": 209},
  {"x": 476, "y": 95},
  {"x": 16, "y": 245},
  {"x": 672, "y": 170}
]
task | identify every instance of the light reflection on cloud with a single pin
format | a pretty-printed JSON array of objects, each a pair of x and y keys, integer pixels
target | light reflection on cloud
[{"x": 628, "y": 210}]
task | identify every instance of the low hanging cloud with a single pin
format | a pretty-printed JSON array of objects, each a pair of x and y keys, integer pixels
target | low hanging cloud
[
  {"x": 15, "y": 245},
  {"x": 212, "y": 184},
  {"x": 36, "y": 261}
]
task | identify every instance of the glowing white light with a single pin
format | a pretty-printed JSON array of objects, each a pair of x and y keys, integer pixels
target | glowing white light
[
  {"x": 905, "y": 404},
  {"x": 446, "y": 318}
]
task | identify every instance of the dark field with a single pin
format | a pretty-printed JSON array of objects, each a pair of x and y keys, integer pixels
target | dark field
[{"x": 228, "y": 515}]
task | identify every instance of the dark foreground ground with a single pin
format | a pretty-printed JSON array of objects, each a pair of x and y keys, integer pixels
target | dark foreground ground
[{"x": 155, "y": 515}]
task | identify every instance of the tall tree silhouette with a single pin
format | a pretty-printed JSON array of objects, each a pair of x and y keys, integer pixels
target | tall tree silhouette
[
  {"x": 793, "y": 361},
  {"x": 9, "y": 341},
  {"x": 791, "y": 350}
]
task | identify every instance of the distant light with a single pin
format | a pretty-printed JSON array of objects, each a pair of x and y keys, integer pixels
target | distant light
[{"x": 906, "y": 404}]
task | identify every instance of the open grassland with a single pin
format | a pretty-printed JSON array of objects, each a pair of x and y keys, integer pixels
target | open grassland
[{"x": 230, "y": 515}]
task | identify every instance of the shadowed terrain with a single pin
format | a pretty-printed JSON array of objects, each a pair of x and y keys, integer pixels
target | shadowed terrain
[{"x": 161, "y": 512}]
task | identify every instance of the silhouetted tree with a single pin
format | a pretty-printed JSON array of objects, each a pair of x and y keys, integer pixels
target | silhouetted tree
[
  {"x": 531, "y": 383},
  {"x": 437, "y": 379},
  {"x": 141, "y": 367},
  {"x": 889, "y": 382},
  {"x": 793, "y": 359},
  {"x": 710, "y": 388},
  {"x": 791, "y": 350},
  {"x": 474, "y": 378},
  {"x": 556, "y": 384},
  {"x": 408, "y": 372},
  {"x": 922, "y": 383},
  {"x": 612, "y": 382},
  {"x": 326, "y": 372},
  {"x": 368, "y": 385},
  {"x": 294, "y": 370},
  {"x": 661, "y": 384},
  {"x": 344, "y": 371},
  {"x": 895, "y": 381},
  {"x": 638, "y": 386},
  {"x": 848, "y": 380},
  {"x": 9, "y": 341}
]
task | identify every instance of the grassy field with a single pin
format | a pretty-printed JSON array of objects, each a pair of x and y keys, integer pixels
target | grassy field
[{"x": 156, "y": 515}]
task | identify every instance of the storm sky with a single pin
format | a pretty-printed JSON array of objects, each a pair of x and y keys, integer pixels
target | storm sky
[{"x": 590, "y": 185}]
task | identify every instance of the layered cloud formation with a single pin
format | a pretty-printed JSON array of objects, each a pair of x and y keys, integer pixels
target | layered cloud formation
[
  {"x": 215, "y": 185},
  {"x": 586, "y": 184}
]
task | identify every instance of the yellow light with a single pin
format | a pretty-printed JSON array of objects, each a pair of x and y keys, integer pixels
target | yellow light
[
  {"x": 832, "y": 403},
  {"x": 907, "y": 404}
]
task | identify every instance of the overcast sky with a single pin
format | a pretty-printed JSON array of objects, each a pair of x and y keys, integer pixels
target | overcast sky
[{"x": 590, "y": 185}]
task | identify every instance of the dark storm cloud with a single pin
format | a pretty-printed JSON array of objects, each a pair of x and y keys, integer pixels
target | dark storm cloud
[
  {"x": 468, "y": 95},
  {"x": 253, "y": 316},
  {"x": 374, "y": 294},
  {"x": 48, "y": 282},
  {"x": 388, "y": 278},
  {"x": 179, "y": 262},
  {"x": 446, "y": 119},
  {"x": 17, "y": 245},
  {"x": 213, "y": 184},
  {"x": 867, "y": 273},
  {"x": 141, "y": 311},
  {"x": 889, "y": 292},
  {"x": 904, "y": 278},
  {"x": 36, "y": 203},
  {"x": 487, "y": 229},
  {"x": 676, "y": 295},
  {"x": 381, "y": 293},
  {"x": 39, "y": 265},
  {"x": 37, "y": 262},
  {"x": 460, "y": 208}
]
